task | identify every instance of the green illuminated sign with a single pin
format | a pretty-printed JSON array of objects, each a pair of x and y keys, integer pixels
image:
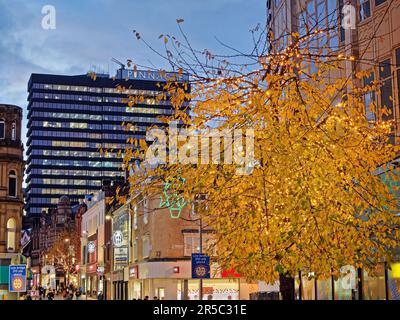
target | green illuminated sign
[{"x": 174, "y": 202}]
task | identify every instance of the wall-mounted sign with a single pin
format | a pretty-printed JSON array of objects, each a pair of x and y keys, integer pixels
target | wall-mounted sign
[
  {"x": 200, "y": 266},
  {"x": 173, "y": 202},
  {"x": 17, "y": 278},
  {"x": 100, "y": 270},
  {"x": 133, "y": 272},
  {"x": 150, "y": 75},
  {"x": 91, "y": 247},
  {"x": 118, "y": 238},
  {"x": 120, "y": 258}
]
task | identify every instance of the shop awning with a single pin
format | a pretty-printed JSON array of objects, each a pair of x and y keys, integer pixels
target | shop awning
[{"x": 4, "y": 275}]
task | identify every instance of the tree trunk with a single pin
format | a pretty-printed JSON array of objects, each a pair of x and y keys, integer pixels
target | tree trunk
[{"x": 286, "y": 284}]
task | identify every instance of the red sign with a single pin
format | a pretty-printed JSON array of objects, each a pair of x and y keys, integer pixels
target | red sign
[
  {"x": 91, "y": 268},
  {"x": 230, "y": 274}
]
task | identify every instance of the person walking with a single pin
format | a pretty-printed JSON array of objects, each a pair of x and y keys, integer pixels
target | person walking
[{"x": 50, "y": 295}]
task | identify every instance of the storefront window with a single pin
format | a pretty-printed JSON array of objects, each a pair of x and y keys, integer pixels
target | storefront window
[
  {"x": 324, "y": 289},
  {"x": 374, "y": 285},
  {"x": 213, "y": 289},
  {"x": 308, "y": 288},
  {"x": 394, "y": 281},
  {"x": 346, "y": 285}
]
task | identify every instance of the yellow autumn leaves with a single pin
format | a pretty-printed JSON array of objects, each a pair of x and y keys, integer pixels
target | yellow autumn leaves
[{"x": 314, "y": 200}]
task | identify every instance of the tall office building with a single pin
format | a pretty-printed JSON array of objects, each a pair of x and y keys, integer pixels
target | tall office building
[{"x": 71, "y": 118}]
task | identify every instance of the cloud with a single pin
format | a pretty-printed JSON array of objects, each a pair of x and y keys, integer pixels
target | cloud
[{"x": 90, "y": 32}]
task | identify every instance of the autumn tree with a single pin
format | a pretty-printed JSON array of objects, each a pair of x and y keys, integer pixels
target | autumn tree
[
  {"x": 313, "y": 197},
  {"x": 64, "y": 253}
]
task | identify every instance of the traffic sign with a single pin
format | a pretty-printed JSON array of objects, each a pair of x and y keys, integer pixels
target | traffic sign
[
  {"x": 200, "y": 266},
  {"x": 17, "y": 278}
]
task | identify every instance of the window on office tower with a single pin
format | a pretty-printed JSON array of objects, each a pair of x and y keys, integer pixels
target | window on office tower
[
  {"x": 369, "y": 98},
  {"x": 398, "y": 73},
  {"x": 365, "y": 9},
  {"x": 386, "y": 92}
]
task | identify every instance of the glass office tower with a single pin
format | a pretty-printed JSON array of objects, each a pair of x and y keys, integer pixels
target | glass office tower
[{"x": 72, "y": 118}]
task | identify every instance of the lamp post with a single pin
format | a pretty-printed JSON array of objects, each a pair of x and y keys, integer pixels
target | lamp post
[{"x": 201, "y": 251}]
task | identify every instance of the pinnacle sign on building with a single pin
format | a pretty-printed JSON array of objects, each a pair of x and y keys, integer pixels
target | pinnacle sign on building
[{"x": 150, "y": 75}]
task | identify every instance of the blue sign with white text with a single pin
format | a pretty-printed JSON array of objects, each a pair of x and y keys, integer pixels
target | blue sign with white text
[
  {"x": 17, "y": 278},
  {"x": 200, "y": 266}
]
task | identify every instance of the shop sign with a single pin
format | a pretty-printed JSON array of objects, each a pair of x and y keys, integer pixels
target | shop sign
[
  {"x": 100, "y": 270},
  {"x": 133, "y": 272},
  {"x": 17, "y": 278},
  {"x": 91, "y": 247},
  {"x": 118, "y": 238},
  {"x": 200, "y": 266},
  {"x": 120, "y": 258}
]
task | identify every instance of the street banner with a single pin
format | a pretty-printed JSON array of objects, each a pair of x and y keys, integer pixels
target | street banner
[
  {"x": 200, "y": 266},
  {"x": 17, "y": 278}
]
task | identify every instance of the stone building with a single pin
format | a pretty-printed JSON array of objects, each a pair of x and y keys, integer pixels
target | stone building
[
  {"x": 11, "y": 195},
  {"x": 46, "y": 230}
]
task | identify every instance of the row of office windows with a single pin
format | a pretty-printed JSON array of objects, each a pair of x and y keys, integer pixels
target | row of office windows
[
  {"x": 62, "y": 115},
  {"x": 76, "y": 163},
  {"x": 70, "y": 153},
  {"x": 42, "y": 200},
  {"x": 71, "y": 97},
  {"x": 84, "y": 135},
  {"x": 85, "y": 125},
  {"x": 66, "y": 134},
  {"x": 388, "y": 75},
  {"x": 79, "y": 144},
  {"x": 78, "y": 182},
  {"x": 95, "y": 89},
  {"x": 365, "y": 8},
  {"x": 320, "y": 15},
  {"x": 96, "y": 108},
  {"x": 82, "y": 173},
  {"x": 60, "y": 191}
]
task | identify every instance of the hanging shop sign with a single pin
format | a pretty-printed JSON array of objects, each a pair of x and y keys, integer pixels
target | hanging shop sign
[
  {"x": 172, "y": 201},
  {"x": 91, "y": 247},
  {"x": 118, "y": 238},
  {"x": 17, "y": 278},
  {"x": 200, "y": 266}
]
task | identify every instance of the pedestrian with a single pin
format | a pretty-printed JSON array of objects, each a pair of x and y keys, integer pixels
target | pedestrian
[
  {"x": 28, "y": 297},
  {"x": 50, "y": 295},
  {"x": 155, "y": 298},
  {"x": 146, "y": 298}
]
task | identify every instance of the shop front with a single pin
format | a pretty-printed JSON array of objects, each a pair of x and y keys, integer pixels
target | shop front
[
  {"x": 48, "y": 277},
  {"x": 354, "y": 284},
  {"x": 171, "y": 280},
  {"x": 91, "y": 280},
  {"x": 135, "y": 285},
  {"x": 35, "y": 277},
  {"x": 120, "y": 285}
]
